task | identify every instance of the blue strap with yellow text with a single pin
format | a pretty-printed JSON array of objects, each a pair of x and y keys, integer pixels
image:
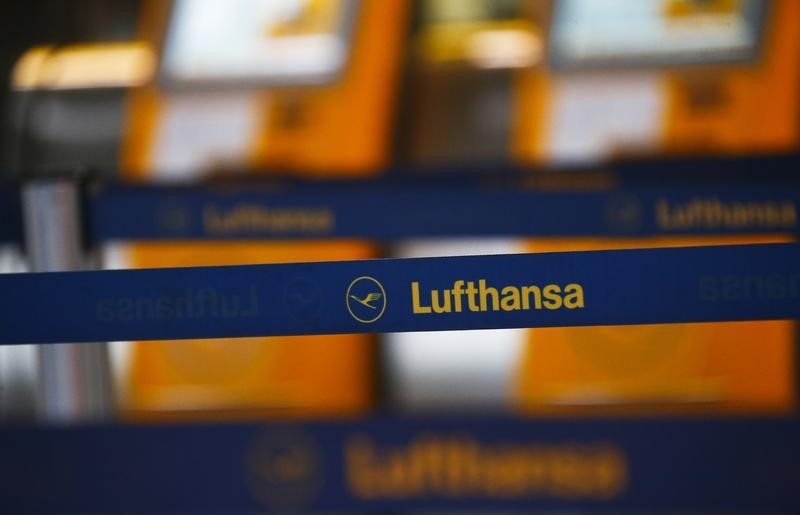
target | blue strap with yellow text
[
  {"x": 695, "y": 284},
  {"x": 399, "y": 465},
  {"x": 675, "y": 196},
  {"x": 388, "y": 211}
]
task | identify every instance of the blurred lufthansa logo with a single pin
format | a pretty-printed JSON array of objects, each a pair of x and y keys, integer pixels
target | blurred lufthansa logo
[
  {"x": 624, "y": 214},
  {"x": 173, "y": 217},
  {"x": 285, "y": 469},
  {"x": 366, "y": 299}
]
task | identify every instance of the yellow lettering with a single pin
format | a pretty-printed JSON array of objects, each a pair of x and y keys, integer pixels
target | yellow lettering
[
  {"x": 510, "y": 300},
  {"x": 463, "y": 467},
  {"x": 486, "y": 297},
  {"x": 537, "y": 297},
  {"x": 486, "y": 292},
  {"x": 552, "y": 295},
  {"x": 574, "y": 297},
  {"x": 359, "y": 456},
  {"x": 471, "y": 292},
  {"x": 662, "y": 214},
  {"x": 212, "y": 219},
  {"x": 418, "y": 308},
  {"x": 437, "y": 307}
]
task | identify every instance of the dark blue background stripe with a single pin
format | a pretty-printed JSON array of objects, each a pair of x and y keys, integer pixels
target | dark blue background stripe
[
  {"x": 10, "y": 215},
  {"x": 672, "y": 465},
  {"x": 390, "y": 211},
  {"x": 723, "y": 283},
  {"x": 489, "y": 200}
]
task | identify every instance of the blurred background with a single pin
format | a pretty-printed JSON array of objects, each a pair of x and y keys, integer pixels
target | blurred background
[{"x": 200, "y": 90}]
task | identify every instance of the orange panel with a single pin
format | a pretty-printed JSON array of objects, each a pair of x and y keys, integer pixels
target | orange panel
[
  {"x": 742, "y": 108},
  {"x": 343, "y": 128},
  {"x": 720, "y": 108},
  {"x": 721, "y": 367},
  {"x": 249, "y": 376}
]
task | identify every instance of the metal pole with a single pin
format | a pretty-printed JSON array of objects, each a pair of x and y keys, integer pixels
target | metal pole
[{"x": 74, "y": 380}]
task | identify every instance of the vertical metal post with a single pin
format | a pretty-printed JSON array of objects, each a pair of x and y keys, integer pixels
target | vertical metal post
[{"x": 74, "y": 380}]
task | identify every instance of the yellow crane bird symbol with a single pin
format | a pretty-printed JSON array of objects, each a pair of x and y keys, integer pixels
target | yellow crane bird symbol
[{"x": 371, "y": 297}]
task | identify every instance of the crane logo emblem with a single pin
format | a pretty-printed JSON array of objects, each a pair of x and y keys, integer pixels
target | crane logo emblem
[{"x": 366, "y": 299}]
